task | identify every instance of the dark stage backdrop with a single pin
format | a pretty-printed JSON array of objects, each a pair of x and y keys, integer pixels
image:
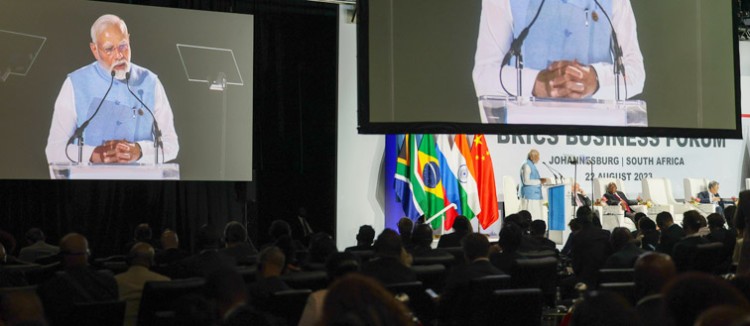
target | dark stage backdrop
[{"x": 294, "y": 149}]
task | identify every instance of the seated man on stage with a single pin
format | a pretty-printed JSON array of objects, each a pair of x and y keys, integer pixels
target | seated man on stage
[
  {"x": 580, "y": 199},
  {"x": 615, "y": 197},
  {"x": 117, "y": 99},
  {"x": 711, "y": 196}
]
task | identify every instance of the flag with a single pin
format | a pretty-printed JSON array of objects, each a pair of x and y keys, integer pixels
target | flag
[
  {"x": 485, "y": 178},
  {"x": 427, "y": 175},
  {"x": 458, "y": 182},
  {"x": 402, "y": 183}
]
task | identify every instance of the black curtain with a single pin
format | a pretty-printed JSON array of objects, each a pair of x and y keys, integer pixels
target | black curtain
[{"x": 294, "y": 149}]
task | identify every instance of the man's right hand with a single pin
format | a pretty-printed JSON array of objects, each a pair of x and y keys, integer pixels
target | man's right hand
[
  {"x": 544, "y": 180},
  {"x": 105, "y": 153}
]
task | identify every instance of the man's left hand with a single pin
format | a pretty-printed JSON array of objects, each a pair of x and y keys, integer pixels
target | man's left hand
[
  {"x": 566, "y": 79},
  {"x": 127, "y": 151}
]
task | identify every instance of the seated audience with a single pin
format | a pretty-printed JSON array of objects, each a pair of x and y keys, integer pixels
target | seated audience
[
  {"x": 321, "y": 246},
  {"x": 652, "y": 271},
  {"x": 670, "y": 232},
  {"x": 740, "y": 230},
  {"x": 271, "y": 263},
  {"x": 405, "y": 228},
  {"x": 625, "y": 248},
  {"x": 589, "y": 248},
  {"x": 422, "y": 238},
  {"x": 170, "y": 252},
  {"x": 721, "y": 235},
  {"x": 690, "y": 294},
  {"x": 130, "y": 283},
  {"x": 337, "y": 265},
  {"x": 21, "y": 308},
  {"x": 704, "y": 230},
  {"x": 194, "y": 310},
  {"x": 142, "y": 233},
  {"x": 509, "y": 242},
  {"x": 389, "y": 265},
  {"x": 281, "y": 237},
  {"x": 9, "y": 278},
  {"x": 227, "y": 289},
  {"x": 740, "y": 221},
  {"x": 685, "y": 250},
  {"x": 77, "y": 283},
  {"x": 206, "y": 261},
  {"x": 461, "y": 227},
  {"x": 365, "y": 237},
  {"x": 476, "y": 248},
  {"x": 37, "y": 248},
  {"x": 237, "y": 244},
  {"x": 539, "y": 235},
  {"x": 574, "y": 226},
  {"x": 637, "y": 220},
  {"x": 725, "y": 315},
  {"x": 603, "y": 308},
  {"x": 648, "y": 234},
  {"x": 360, "y": 300}
]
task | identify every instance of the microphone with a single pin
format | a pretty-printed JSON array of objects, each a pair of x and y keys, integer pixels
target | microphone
[
  {"x": 78, "y": 134},
  {"x": 551, "y": 170},
  {"x": 515, "y": 50},
  {"x": 619, "y": 66},
  {"x": 155, "y": 126}
]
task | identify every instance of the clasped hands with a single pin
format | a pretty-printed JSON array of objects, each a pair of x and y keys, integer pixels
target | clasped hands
[
  {"x": 566, "y": 79},
  {"x": 116, "y": 151}
]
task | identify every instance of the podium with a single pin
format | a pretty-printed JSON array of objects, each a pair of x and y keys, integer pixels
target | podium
[
  {"x": 560, "y": 211},
  {"x": 125, "y": 171},
  {"x": 545, "y": 111}
]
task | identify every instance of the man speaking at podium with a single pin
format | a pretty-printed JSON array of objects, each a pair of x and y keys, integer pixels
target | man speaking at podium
[
  {"x": 530, "y": 189},
  {"x": 567, "y": 52},
  {"x": 118, "y": 99}
]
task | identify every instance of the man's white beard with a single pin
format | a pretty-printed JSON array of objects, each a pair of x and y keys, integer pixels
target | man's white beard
[{"x": 120, "y": 74}]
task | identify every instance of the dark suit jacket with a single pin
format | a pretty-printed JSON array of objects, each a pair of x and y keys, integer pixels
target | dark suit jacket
[
  {"x": 650, "y": 311},
  {"x": 260, "y": 291},
  {"x": 202, "y": 264},
  {"x": 624, "y": 258},
  {"x": 544, "y": 243},
  {"x": 75, "y": 285},
  {"x": 669, "y": 238},
  {"x": 585, "y": 200},
  {"x": 684, "y": 252},
  {"x": 169, "y": 256},
  {"x": 241, "y": 253},
  {"x": 590, "y": 247},
  {"x": 505, "y": 261},
  {"x": 451, "y": 239},
  {"x": 456, "y": 289},
  {"x": 388, "y": 270},
  {"x": 650, "y": 240},
  {"x": 613, "y": 200}
]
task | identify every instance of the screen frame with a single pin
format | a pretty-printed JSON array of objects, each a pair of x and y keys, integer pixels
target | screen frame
[{"x": 365, "y": 126}]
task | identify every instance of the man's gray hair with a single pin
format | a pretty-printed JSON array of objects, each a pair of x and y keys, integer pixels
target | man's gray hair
[
  {"x": 105, "y": 21},
  {"x": 712, "y": 184}
]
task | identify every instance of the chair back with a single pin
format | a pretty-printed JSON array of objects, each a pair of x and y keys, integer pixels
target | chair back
[
  {"x": 708, "y": 257},
  {"x": 288, "y": 305},
  {"x": 96, "y": 313},
  {"x": 446, "y": 260},
  {"x": 516, "y": 307},
  {"x": 159, "y": 296},
  {"x": 616, "y": 275},
  {"x": 510, "y": 191},
  {"x": 313, "y": 280},
  {"x": 458, "y": 255},
  {"x": 693, "y": 186},
  {"x": 419, "y": 302},
  {"x": 432, "y": 276},
  {"x": 625, "y": 289},
  {"x": 600, "y": 186},
  {"x": 363, "y": 255},
  {"x": 540, "y": 273}
]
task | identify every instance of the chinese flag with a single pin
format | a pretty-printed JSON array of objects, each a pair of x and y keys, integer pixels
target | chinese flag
[{"x": 485, "y": 177}]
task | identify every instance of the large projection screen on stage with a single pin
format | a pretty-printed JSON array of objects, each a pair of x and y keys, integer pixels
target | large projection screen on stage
[
  {"x": 204, "y": 60},
  {"x": 435, "y": 66}
]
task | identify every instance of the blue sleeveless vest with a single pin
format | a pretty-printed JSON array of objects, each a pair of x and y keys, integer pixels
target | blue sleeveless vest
[
  {"x": 121, "y": 115},
  {"x": 531, "y": 191},
  {"x": 565, "y": 30}
]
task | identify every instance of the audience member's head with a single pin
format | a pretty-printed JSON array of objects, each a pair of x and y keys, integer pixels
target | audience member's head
[
  {"x": 321, "y": 246},
  {"x": 271, "y": 262},
  {"x": 341, "y": 263},
  {"x": 141, "y": 254},
  {"x": 715, "y": 221},
  {"x": 574, "y": 225},
  {"x": 510, "y": 238},
  {"x": 142, "y": 233},
  {"x": 515, "y": 218},
  {"x": 234, "y": 233},
  {"x": 360, "y": 300},
  {"x": 475, "y": 246},
  {"x": 365, "y": 236},
  {"x": 637, "y": 217},
  {"x": 604, "y": 308},
  {"x": 405, "y": 227},
  {"x": 729, "y": 212},
  {"x": 461, "y": 224},
  {"x": 620, "y": 237},
  {"x": 422, "y": 235},
  {"x": 538, "y": 228},
  {"x": 723, "y": 316},
  {"x": 74, "y": 250},
  {"x": 208, "y": 238},
  {"x": 8, "y": 241},
  {"x": 664, "y": 220},
  {"x": 690, "y": 294},
  {"x": 646, "y": 224},
  {"x": 169, "y": 240},
  {"x": 584, "y": 215},
  {"x": 388, "y": 244},
  {"x": 34, "y": 235},
  {"x": 595, "y": 220},
  {"x": 278, "y": 229},
  {"x": 691, "y": 222},
  {"x": 21, "y": 308},
  {"x": 652, "y": 270},
  {"x": 227, "y": 288},
  {"x": 525, "y": 219}
]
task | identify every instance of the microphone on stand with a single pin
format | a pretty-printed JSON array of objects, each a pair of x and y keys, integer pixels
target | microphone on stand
[
  {"x": 619, "y": 66},
  {"x": 78, "y": 133},
  {"x": 155, "y": 126},
  {"x": 515, "y": 50},
  {"x": 551, "y": 170}
]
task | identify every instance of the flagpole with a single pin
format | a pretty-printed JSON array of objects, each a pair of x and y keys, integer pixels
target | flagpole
[{"x": 439, "y": 214}]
